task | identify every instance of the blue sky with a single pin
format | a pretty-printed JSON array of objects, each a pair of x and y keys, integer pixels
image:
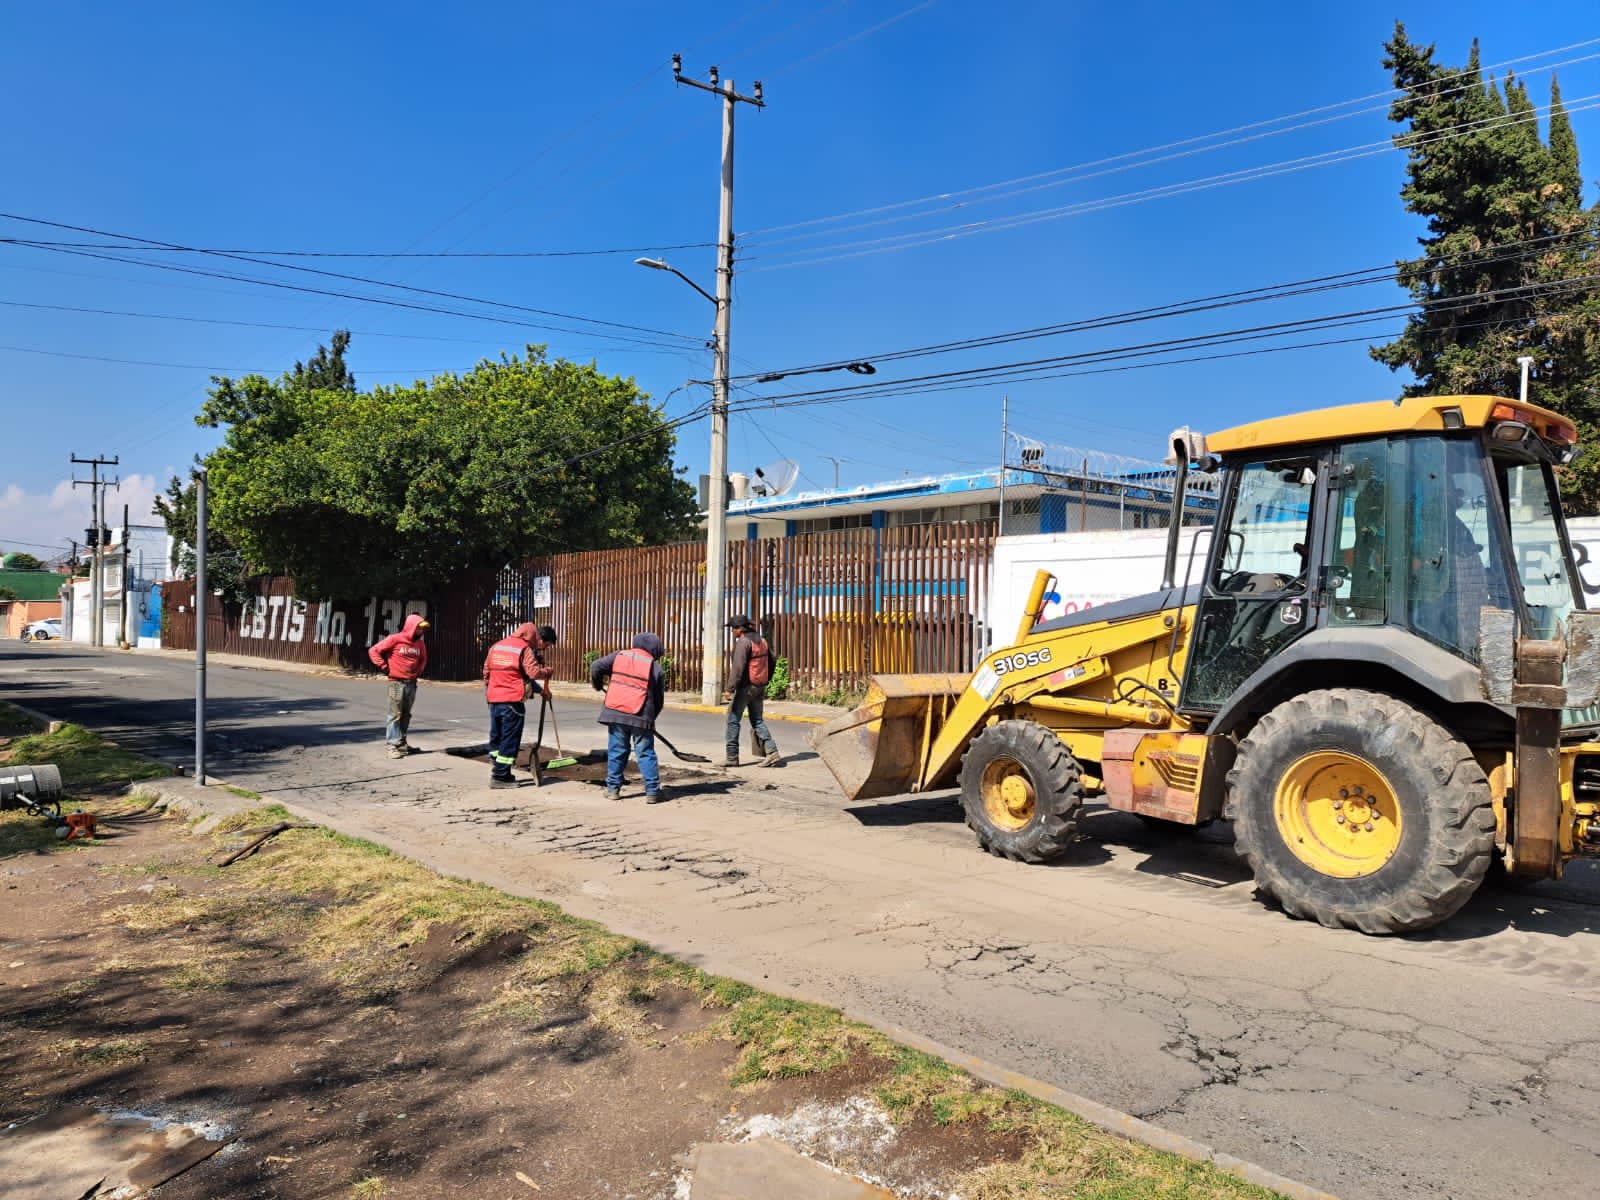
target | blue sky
[{"x": 405, "y": 126}]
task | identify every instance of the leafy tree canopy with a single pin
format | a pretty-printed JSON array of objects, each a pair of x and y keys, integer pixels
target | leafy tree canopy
[
  {"x": 226, "y": 569},
  {"x": 1510, "y": 250},
  {"x": 396, "y": 489},
  {"x": 21, "y": 560}
]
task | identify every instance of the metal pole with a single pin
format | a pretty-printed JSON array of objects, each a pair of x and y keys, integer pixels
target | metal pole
[
  {"x": 717, "y": 518},
  {"x": 1005, "y": 449},
  {"x": 201, "y": 596},
  {"x": 122, "y": 619},
  {"x": 1525, "y": 361}
]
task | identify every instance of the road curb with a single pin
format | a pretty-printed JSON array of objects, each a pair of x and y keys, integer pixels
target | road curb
[
  {"x": 770, "y": 715},
  {"x": 1112, "y": 1120}
]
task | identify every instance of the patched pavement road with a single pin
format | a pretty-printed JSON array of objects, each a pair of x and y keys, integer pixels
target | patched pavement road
[{"x": 1140, "y": 971}]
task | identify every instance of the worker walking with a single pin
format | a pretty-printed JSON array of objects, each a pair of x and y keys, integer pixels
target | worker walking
[
  {"x": 636, "y": 692},
  {"x": 747, "y": 690},
  {"x": 403, "y": 657},
  {"x": 512, "y": 672}
]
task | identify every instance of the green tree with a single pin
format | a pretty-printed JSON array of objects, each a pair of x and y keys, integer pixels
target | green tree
[
  {"x": 21, "y": 560},
  {"x": 1479, "y": 174},
  {"x": 326, "y": 370},
  {"x": 395, "y": 490},
  {"x": 226, "y": 569}
]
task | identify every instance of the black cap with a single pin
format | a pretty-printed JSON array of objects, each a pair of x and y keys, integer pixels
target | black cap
[
  {"x": 741, "y": 622},
  {"x": 547, "y": 634}
]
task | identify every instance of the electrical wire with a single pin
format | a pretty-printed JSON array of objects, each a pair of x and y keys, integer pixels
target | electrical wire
[
  {"x": 382, "y": 300},
  {"x": 854, "y": 37},
  {"x": 1081, "y": 178},
  {"x": 1385, "y": 273},
  {"x": 544, "y": 312},
  {"x": 908, "y": 241},
  {"x": 141, "y": 362},
  {"x": 369, "y": 253},
  {"x": 1019, "y": 370},
  {"x": 1189, "y": 141}
]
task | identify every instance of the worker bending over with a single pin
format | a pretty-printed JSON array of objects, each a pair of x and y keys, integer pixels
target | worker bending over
[
  {"x": 635, "y": 695},
  {"x": 512, "y": 672}
]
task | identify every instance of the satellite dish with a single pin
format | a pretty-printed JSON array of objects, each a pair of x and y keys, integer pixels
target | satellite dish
[{"x": 775, "y": 478}]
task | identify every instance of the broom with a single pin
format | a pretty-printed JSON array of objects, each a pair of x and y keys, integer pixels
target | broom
[{"x": 561, "y": 759}]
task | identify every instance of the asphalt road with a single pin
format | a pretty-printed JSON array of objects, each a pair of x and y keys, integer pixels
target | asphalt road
[{"x": 1140, "y": 971}]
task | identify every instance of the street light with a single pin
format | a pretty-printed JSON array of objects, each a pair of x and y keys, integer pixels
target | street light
[{"x": 656, "y": 264}]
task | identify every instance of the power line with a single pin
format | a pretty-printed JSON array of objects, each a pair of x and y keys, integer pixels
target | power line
[
  {"x": 142, "y": 362},
  {"x": 544, "y": 312},
  {"x": 908, "y": 241},
  {"x": 385, "y": 301},
  {"x": 854, "y": 37},
  {"x": 1190, "y": 141},
  {"x": 367, "y": 253},
  {"x": 1011, "y": 371},
  {"x": 1361, "y": 277}
]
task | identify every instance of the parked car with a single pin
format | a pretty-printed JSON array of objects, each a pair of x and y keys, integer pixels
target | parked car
[{"x": 42, "y": 631}]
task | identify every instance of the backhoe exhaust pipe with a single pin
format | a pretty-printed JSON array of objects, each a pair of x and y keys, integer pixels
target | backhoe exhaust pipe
[{"x": 1180, "y": 453}]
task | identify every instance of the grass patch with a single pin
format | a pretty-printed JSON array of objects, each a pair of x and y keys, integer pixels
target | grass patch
[
  {"x": 88, "y": 762},
  {"x": 246, "y": 793},
  {"x": 364, "y": 913},
  {"x": 108, "y": 1053}
]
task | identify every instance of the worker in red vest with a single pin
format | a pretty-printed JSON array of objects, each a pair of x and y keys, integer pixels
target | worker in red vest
[
  {"x": 747, "y": 690},
  {"x": 512, "y": 672},
  {"x": 636, "y": 692}
]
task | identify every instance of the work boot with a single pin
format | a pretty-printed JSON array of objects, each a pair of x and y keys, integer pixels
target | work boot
[
  {"x": 731, "y": 761},
  {"x": 655, "y": 797},
  {"x": 613, "y": 794},
  {"x": 510, "y": 781},
  {"x": 399, "y": 750},
  {"x": 773, "y": 759}
]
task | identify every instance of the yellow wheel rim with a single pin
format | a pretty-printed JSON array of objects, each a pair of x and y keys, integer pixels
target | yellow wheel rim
[
  {"x": 1008, "y": 796},
  {"x": 1338, "y": 814}
]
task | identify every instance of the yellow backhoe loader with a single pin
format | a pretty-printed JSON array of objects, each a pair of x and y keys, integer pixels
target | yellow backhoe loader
[{"x": 1380, "y": 673}]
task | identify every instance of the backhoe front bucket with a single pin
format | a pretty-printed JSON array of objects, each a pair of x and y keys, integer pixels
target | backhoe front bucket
[{"x": 879, "y": 749}]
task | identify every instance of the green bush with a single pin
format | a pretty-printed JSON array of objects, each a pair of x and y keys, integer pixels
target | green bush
[
  {"x": 588, "y": 660},
  {"x": 666, "y": 667},
  {"x": 778, "y": 684}
]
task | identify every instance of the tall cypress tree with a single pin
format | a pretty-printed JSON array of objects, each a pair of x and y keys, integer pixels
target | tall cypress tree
[{"x": 1508, "y": 247}]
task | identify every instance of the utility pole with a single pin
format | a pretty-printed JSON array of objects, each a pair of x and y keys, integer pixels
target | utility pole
[
  {"x": 201, "y": 597},
  {"x": 97, "y": 584},
  {"x": 717, "y": 510},
  {"x": 835, "y": 462},
  {"x": 1005, "y": 451}
]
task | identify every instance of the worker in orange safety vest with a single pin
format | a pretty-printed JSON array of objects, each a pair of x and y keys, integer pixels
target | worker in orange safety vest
[{"x": 512, "y": 672}]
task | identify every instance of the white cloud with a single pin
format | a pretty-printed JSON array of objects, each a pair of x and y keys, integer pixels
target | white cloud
[{"x": 50, "y": 519}]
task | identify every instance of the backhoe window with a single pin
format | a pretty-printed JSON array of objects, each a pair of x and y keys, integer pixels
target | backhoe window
[
  {"x": 1358, "y": 576},
  {"x": 1455, "y": 570},
  {"x": 1541, "y": 566},
  {"x": 1269, "y": 530}
]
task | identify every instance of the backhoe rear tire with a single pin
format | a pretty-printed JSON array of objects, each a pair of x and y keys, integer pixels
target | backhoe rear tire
[
  {"x": 1021, "y": 789},
  {"x": 1354, "y": 809}
]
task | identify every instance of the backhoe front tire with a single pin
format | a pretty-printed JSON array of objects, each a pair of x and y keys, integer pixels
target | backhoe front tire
[
  {"x": 1354, "y": 809},
  {"x": 1021, "y": 789}
]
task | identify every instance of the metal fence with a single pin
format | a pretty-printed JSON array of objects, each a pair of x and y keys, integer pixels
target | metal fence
[{"x": 840, "y": 606}]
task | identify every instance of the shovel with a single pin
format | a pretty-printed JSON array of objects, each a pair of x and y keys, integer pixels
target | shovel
[{"x": 680, "y": 755}]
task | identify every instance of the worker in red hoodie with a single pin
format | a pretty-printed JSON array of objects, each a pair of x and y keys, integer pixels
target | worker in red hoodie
[
  {"x": 403, "y": 657},
  {"x": 512, "y": 672}
]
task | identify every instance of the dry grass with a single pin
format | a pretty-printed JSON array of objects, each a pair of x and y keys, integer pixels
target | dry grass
[
  {"x": 355, "y": 908},
  {"x": 107, "y": 1053}
]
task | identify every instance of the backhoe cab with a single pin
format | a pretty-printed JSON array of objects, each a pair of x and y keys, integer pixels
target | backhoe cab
[{"x": 1379, "y": 673}]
